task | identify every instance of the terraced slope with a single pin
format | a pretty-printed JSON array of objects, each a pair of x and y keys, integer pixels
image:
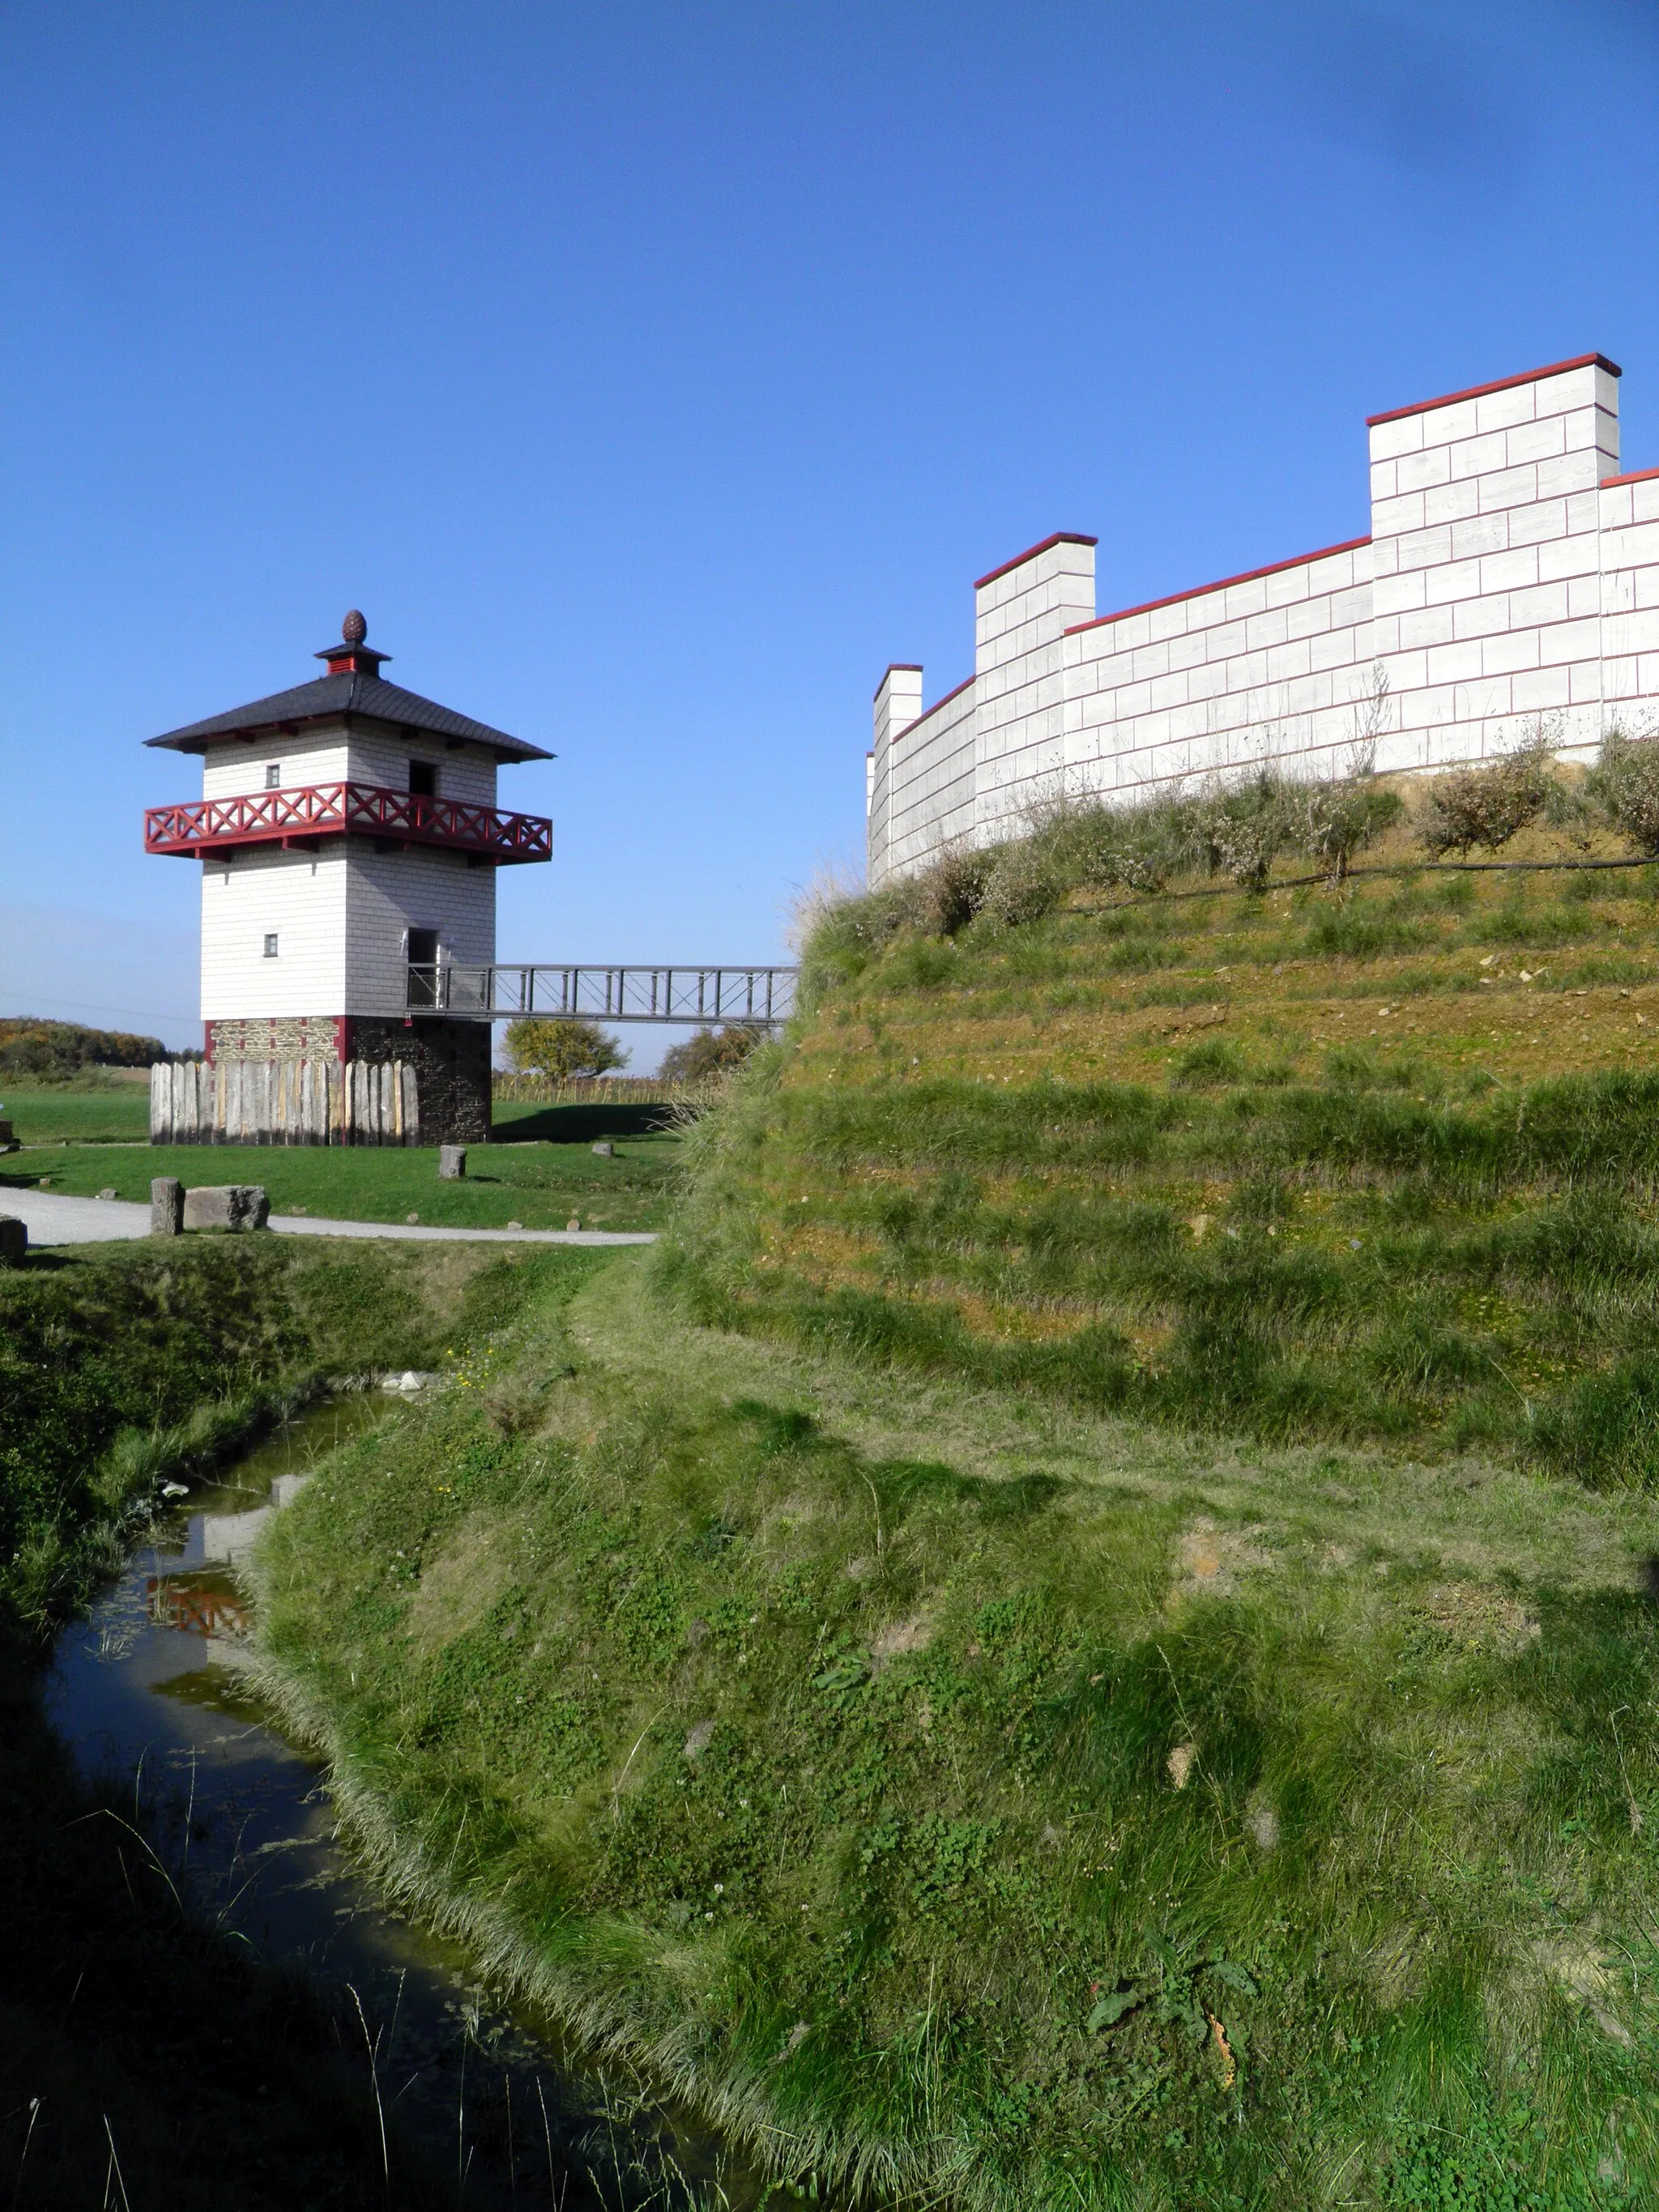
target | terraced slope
[
  {"x": 1373, "y": 1163},
  {"x": 1216, "y": 1765}
]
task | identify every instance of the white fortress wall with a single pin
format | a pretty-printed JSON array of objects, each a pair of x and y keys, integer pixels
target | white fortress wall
[
  {"x": 1022, "y": 612},
  {"x": 924, "y": 777},
  {"x": 1277, "y": 660},
  {"x": 1485, "y": 561},
  {"x": 1629, "y": 597},
  {"x": 1510, "y": 572},
  {"x": 897, "y": 704}
]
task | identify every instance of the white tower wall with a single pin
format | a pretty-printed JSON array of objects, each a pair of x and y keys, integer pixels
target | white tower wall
[
  {"x": 341, "y": 916},
  {"x": 298, "y": 898}
]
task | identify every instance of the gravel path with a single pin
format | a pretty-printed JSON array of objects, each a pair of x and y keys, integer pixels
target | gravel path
[{"x": 53, "y": 1217}]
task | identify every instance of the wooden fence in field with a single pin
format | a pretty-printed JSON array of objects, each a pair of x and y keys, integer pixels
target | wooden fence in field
[{"x": 283, "y": 1102}]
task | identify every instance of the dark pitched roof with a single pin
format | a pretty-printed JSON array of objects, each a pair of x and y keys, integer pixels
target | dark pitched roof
[{"x": 327, "y": 697}]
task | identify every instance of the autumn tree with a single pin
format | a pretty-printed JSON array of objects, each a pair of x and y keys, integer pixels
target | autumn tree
[
  {"x": 709, "y": 1052},
  {"x": 560, "y": 1049}
]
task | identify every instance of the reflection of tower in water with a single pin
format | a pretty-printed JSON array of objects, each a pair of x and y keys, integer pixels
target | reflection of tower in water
[
  {"x": 199, "y": 1606},
  {"x": 212, "y": 1605}
]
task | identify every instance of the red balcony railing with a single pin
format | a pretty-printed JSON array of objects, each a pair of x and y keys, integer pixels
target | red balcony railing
[{"x": 299, "y": 820}]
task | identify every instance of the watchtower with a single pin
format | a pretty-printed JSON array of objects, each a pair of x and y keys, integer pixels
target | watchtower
[{"x": 349, "y": 838}]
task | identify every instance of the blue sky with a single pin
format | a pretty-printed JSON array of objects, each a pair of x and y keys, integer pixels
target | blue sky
[{"x": 654, "y": 376}]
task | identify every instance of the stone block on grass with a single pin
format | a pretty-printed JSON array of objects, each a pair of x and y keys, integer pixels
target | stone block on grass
[
  {"x": 13, "y": 1241},
  {"x": 167, "y": 1206},
  {"x": 452, "y": 1163},
  {"x": 234, "y": 1205}
]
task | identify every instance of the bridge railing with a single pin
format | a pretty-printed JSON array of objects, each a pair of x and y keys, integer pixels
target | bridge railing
[{"x": 740, "y": 997}]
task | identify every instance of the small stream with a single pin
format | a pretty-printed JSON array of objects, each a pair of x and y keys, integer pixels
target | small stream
[{"x": 148, "y": 1691}]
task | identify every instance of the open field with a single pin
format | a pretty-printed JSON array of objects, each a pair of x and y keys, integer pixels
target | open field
[
  {"x": 538, "y": 1185},
  {"x": 109, "y": 1112}
]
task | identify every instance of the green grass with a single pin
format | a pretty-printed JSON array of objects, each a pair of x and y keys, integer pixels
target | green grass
[
  {"x": 811, "y": 1731},
  {"x": 1357, "y": 1259},
  {"x": 114, "y": 1112},
  {"x": 538, "y": 1185},
  {"x": 1082, "y": 1633}
]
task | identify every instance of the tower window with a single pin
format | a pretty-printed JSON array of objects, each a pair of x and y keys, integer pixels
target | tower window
[
  {"x": 423, "y": 779},
  {"x": 273, "y": 775},
  {"x": 270, "y": 945}
]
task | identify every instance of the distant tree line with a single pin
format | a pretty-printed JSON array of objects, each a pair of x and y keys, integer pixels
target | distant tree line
[{"x": 53, "y": 1051}]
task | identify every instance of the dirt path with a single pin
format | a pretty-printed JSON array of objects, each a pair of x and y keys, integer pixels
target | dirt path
[{"x": 53, "y": 1217}]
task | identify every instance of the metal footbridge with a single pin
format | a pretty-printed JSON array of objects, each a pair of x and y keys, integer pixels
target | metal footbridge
[{"x": 734, "y": 996}]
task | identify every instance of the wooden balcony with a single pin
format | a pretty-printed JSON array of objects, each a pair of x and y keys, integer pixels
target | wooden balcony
[{"x": 299, "y": 820}]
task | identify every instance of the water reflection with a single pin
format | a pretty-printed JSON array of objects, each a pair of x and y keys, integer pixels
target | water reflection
[
  {"x": 201, "y": 1605},
  {"x": 149, "y": 1692}
]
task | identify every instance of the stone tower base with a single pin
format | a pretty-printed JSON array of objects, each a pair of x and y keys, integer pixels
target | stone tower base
[
  {"x": 451, "y": 1061},
  {"x": 279, "y": 1037}
]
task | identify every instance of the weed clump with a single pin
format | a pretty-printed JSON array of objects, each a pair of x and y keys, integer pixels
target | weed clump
[
  {"x": 1330, "y": 820},
  {"x": 1625, "y": 782},
  {"x": 948, "y": 894},
  {"x": 1488, "y": 805},
  {"x": 1242, "y": 832},
  {"x": 1341, "y": 817},
  {"x": 1025, "y": 882}
]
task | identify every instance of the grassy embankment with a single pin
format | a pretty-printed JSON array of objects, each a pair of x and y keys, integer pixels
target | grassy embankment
[
  {"x": 1169, "y": 1719},
  {"x": 83, "y": 1142},
  {"x": 119, "y": 1368},
  {"x": 1377, "y": 1167}
]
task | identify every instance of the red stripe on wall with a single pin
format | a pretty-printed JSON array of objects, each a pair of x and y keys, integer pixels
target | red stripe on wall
[
  {"x": 932, "y": 710},
  {"x": 1502, "y": 384},
  {"x": 1248, "y": 576},
  {"x": 1059, "y": 538}
]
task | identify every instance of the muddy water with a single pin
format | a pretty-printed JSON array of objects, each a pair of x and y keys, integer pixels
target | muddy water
[{"x": 149, "y": 1693}]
